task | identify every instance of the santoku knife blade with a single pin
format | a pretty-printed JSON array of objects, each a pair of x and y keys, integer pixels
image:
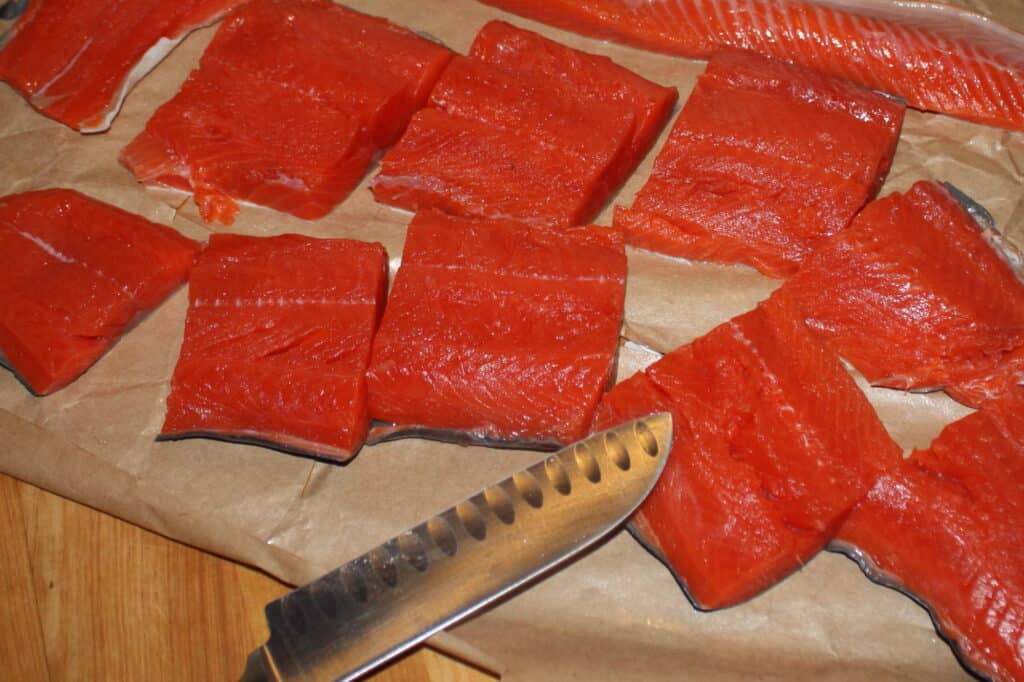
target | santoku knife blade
[{"x": 427, "y": 578}]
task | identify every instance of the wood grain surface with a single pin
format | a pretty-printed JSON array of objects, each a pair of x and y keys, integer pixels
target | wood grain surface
[{"x": 90, "y": 597}]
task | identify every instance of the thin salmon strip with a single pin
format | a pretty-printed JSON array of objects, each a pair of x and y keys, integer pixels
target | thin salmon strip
[
  {"x": 277, "y": 341},
  {"x": 290, "y": 103},
  {"x": 773, "y": 443},
  {"x": 76, "y": 274},
  {"x": 945, "y": 528},
  {"x": 915, "y": 297},
  {"x": 764, "y": 162},
  {"x": 499, "y": 331},
  {"x": 75, "y": 61},
  {"x": 525, "y": 129},
  {"x": 936, "y": 57}
]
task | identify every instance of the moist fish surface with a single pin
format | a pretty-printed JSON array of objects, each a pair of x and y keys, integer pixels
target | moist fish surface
[
  {"x": 914, "y": 295},
  {"x": 592, "y": 77},
  {"x": 498, "y": 330},
  {"x": 935, "y": 56},
  {"x": 765, "y": 160},
  {"x": 773, "y": 443},
  {"x": 526, "y": 129},
  {"x": 945, "y": 527},
  {"x": 290, "y": 103},
  {"x": 75, "y": 61},
  {"x": 277, "y": 341},
  {"x": 76, "y": 274}
]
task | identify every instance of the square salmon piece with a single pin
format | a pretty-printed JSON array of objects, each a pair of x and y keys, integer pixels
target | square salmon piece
[
  {"x": 594, "y": 78},
  {"x": 916, "y": 295},
  {"x": 945, "y": 528},
  {"x": 498, "y": 331},
  {"x": 524, "y": 129},
  {"x": 773, "y": 444},
  {"x": 277, "y": 341},
  {"x": 765, "y": 161},
  {"x": 288, "y": 106},
  {"x": 77, "y": 273}
]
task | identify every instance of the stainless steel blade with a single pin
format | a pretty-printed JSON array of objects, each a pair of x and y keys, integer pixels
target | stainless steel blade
[{"x": 398, "y": 594}]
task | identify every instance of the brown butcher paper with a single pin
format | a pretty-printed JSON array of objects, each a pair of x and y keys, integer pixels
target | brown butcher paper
[{"x": 616, "y": 614}]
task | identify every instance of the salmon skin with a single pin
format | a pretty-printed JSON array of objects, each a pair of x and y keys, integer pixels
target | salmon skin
[
  {"x": 914, "y": 295},
  {"x": 498, "y": 331},
  {"x": 77, "y": 273},
  {"x": 526, "y": 129},
  {"x": 764, "y": 162},
  {"x": 277, "y": 340},
  {"x": 944, "y": 527},
  {"x": 936, "y": 57},
  {"x": 76, "y": 61},
  {"x": 290, "y": 103},
  {"x": 773, "y": 444}
]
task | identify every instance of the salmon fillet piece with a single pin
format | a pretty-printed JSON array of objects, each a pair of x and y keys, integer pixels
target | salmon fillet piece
[
  {"x": 935, "y": 56},
  {"x": 594, "y": 78},
  {"x": 512, "y": 133},
  {"x": 277, "y": 341},
  {"x": 290, "y": 103},
  {"x": 77, "y": 273},
  {"x": 915, "y": 297},
  {"x": 75, "y": 61},
  {"x": 773, "y": 443},
  {"x": 498, "y": 330},
  {"x": 945, "y": 528},
  {"x": 765, "y": 161}
]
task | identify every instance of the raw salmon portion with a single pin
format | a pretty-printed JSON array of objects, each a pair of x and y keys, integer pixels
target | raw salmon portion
[
  {"x": 945, "y": 527},
  {"x": 773, "y": 444},
  {"x": 499, "y": 329},
  {"x": 472, "y": 167},
  {"x": 937, "y": 57},
  {"x": 76, "y": 274},
  {"x": 765, "y": 160},
  {"x": 277, "y": 341},
  {"x": 914, "y": 296},
  {"x": 75, "y": 61},
  {"x": 593, "y": 77},
  {"x": 535, "y": 132},
  {"x": 291, "y": 101}
]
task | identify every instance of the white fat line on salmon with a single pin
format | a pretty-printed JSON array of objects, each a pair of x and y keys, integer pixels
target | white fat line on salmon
[
  {"x": 288, "y": 181},
  {"x": 64, "y": 258},
  {"x": 153, "y": 56},
  {"x": 47, "y": 247},
  {"x": 40, "y": 100},
  {"x": 280, "y": 301}
]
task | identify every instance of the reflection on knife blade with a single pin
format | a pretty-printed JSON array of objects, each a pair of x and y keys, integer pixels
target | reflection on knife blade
[{"x": 448, "y": 567}]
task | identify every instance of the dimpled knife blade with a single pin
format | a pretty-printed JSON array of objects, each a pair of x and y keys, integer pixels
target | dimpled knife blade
[{"x": 373, "y": 608}]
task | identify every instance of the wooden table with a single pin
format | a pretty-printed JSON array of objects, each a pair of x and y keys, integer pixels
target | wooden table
[{"x": 90, "y": 597}]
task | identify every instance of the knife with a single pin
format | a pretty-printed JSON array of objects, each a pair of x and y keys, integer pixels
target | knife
[{"x": 380, "y": 604}]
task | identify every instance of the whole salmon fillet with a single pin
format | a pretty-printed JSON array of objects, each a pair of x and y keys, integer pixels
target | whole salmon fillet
[{"x": 937, "y": 57}]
